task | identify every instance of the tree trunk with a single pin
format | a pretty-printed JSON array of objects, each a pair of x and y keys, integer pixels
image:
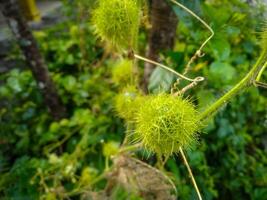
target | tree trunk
[
  {"x": 33, "y": 57},
  {"x": 162, "y": 34}
]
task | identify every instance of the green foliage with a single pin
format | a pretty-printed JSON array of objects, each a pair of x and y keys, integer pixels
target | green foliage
[
  {"x": 65, "y": 55},
  {"x": 45, "y": 159},
  {"x": 117, "y": 21},
  {"x": 55, "y": 159},
  {"x": 223, "y": 72},
  {"x": 165, "y": 123},
  {"x": 222, "y": 162}
]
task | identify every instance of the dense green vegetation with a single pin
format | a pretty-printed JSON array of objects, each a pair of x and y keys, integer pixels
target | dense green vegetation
[{"x": 41, "y": 158}]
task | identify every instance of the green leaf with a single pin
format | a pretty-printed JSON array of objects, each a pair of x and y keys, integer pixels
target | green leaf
[
  {"x": 217, "y": 18},
  {"x": 160, "y": 80},
  {"x": 233, "y": 31},
  {"x": 69, "y": 83},
  {"x": 193, "y": 5},
  {"x": 221, "y": 49},
  {"x": 222, "y": 72},
  {"x": 225, "y": 128},
  {"x": 14, "y": 84}
]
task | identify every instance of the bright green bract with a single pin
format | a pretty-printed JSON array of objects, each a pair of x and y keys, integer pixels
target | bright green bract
[
  {"x": 165, "y": 123},
  {"x": 116, "y": 22}
]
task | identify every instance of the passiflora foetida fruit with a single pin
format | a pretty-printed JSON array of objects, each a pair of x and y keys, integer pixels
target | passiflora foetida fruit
[
  {"x": 117, "y": 22},
  {"x": 164, "y": 123}
]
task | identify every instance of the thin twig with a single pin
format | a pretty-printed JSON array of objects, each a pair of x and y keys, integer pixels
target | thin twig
[
  {"x": 190, "y": 173},
  {"x": 260, "y": 84},
  {"x": 182, "y": 91},
  {"x": 197, "y": 79},
  {"x": 130, "y": 148},
  {"x": 198, "y": 53}
]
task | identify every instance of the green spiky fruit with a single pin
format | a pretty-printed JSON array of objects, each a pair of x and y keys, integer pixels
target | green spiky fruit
[
  {"x": 117, "y": 22},
  {"x": 122, "y": 72},
  {"x": 127, "y": 102},
  {"x": 165, "y": 123}
]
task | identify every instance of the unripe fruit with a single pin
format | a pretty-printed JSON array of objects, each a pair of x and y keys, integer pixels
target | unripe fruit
[
  {"x": 117, "y": 21},
  {"x": 127, "y": 102},
  {"x": 110, "y": 148},
  {"x": 122, "y": 72},
  {"x": 165, "y": 123}
]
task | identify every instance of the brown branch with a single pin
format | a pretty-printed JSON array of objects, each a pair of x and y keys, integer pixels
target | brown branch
[
  {"x": 33, "y": 57},
  {"x": 161, "y": 35}
]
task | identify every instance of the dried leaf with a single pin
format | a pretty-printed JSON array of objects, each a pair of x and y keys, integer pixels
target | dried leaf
[{"x": 137, "y": 176}]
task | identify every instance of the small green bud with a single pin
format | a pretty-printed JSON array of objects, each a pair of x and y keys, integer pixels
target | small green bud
[
  {"x": 122, "y": 72},
  {"x": 117, "y": 22},
  {"x": 110, "y": 149},
  {"x": 88, "y": 175},
  {"x": 165, "y": 123},
  {"x": 127, "y": 103},
  {"x": 54, "y": 159},
  {"x": 50, "y": 196},
  {"x": 54, "y": 127}
]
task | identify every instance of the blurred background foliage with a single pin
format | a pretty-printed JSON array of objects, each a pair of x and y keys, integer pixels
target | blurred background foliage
[{"x": 45, "y": 159}]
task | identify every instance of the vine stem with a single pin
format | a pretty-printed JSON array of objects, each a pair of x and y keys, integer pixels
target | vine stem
[
  {"x": 261, "y": 72},
  {"x": 198, "y": 52},
  {"x": 260, "y": 84},
  {"x": 197, "y": 79},
  {"x": 248, "y": 80},
  {"x": 257, "y": 81},
  {"x": 190, "y": 173},
  {"x": 130, "y": 148}
]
